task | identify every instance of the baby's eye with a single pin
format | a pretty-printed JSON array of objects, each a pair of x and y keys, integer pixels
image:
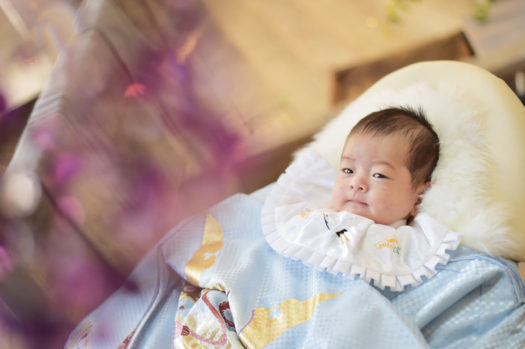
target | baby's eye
[
  {"x": 347, "y": 170},
  {"x": 379, "y": 175}
]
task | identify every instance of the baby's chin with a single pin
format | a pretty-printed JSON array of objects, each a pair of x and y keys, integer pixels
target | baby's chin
[{"x": 359, "y": 209}]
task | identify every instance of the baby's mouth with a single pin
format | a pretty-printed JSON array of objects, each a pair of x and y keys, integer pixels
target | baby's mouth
[{"x": 357, "y": 202}]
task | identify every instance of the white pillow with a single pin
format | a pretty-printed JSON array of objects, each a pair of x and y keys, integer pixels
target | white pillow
[{"x": 462, "y": 195}]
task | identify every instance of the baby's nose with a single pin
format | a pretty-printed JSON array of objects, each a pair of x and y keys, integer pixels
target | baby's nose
[{"x": 358, "y": 185}]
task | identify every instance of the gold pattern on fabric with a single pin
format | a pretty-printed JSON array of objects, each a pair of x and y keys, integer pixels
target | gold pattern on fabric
[
  {"x": 269, "y": 323},
  {"x": 204, "y": 257}
]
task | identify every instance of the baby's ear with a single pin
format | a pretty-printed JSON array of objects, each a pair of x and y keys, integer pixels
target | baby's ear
[{"x": 420, "y": 191}]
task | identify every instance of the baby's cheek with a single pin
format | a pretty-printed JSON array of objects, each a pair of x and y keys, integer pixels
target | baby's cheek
[
  {"x": 336, "y": 199},
  {"x": 335, "y": 202}
]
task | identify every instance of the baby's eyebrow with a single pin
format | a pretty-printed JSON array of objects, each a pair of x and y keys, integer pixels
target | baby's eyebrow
[{"x": 385, "y": 163}]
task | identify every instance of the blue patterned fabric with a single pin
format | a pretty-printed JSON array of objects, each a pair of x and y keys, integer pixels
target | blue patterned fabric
[{"x": 245, "y": 294}]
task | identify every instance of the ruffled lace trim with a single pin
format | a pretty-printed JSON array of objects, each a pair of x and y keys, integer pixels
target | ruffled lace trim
[{"x": 311, "y": 176}]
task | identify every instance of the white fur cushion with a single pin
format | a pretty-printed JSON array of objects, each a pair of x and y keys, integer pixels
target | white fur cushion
[{"x": 466, "y": 192}]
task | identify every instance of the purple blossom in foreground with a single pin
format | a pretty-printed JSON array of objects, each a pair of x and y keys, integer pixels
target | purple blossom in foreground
[
  {"x": 3, "y": 103},
  {"x": 125, "y": 156},
  {"x": 6, "y": 263},
  {"x": 66, "y": 167}
]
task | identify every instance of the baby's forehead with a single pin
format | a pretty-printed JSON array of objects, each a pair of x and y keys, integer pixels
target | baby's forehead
[
  {"x": 374, "y": 136},
  {"x": 393, "y": 143}
]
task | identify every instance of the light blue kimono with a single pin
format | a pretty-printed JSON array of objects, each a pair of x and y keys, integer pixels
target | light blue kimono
[{"x": 248, "y": 295}]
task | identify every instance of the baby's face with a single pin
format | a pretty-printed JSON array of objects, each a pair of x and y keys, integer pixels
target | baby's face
[{"x": 374, "y": 181}]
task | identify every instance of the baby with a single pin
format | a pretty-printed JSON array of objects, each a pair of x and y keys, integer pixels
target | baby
[
  {"x": 372, "y": 228},
  {"x": 386, "y": 165}
]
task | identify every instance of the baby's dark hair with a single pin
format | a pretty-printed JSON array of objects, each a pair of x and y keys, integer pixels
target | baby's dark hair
[{"x": 414, "y": 126}]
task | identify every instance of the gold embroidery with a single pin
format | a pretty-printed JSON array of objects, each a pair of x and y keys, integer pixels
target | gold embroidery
[
  {"x": 390, "y": 243},
  {"x": 305, "y": 213},
  {"x": 204, "y": 257},
  {"x": 265, "y": 328}
]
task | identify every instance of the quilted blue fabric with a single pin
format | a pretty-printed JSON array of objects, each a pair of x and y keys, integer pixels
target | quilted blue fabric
[{"x": 245, "y": 294}]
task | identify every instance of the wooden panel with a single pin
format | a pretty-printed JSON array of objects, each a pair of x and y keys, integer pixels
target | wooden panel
[
  {"x": 298, "y": 48},
  {"x": 350, "y": 83},
  {"x": 499, "y": 44}
]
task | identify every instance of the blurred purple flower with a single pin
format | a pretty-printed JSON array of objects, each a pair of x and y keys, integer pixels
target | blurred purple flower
[
  {"x": 44, "y": 138},
  {"x": 173, "y": 71},
  {"x": 181, "y": 4},
  {"x": 66, "y": 167},
  {"x": 135, "y": 89},
  {"x": 146, "y": 187},
  {"x": 3, "y": 103},
  {"x": 6, "y": 263},
  {"x": 141, "y": 215},
  {"x": 80, "y": 283},
  {"x": 71, "y": 207}
]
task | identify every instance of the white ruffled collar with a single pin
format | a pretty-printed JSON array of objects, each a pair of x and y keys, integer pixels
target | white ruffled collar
[{"x": 297, "y": 223}]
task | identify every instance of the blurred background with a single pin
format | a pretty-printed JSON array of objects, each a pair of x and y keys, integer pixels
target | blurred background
[{"x": 119, "y": 118}]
